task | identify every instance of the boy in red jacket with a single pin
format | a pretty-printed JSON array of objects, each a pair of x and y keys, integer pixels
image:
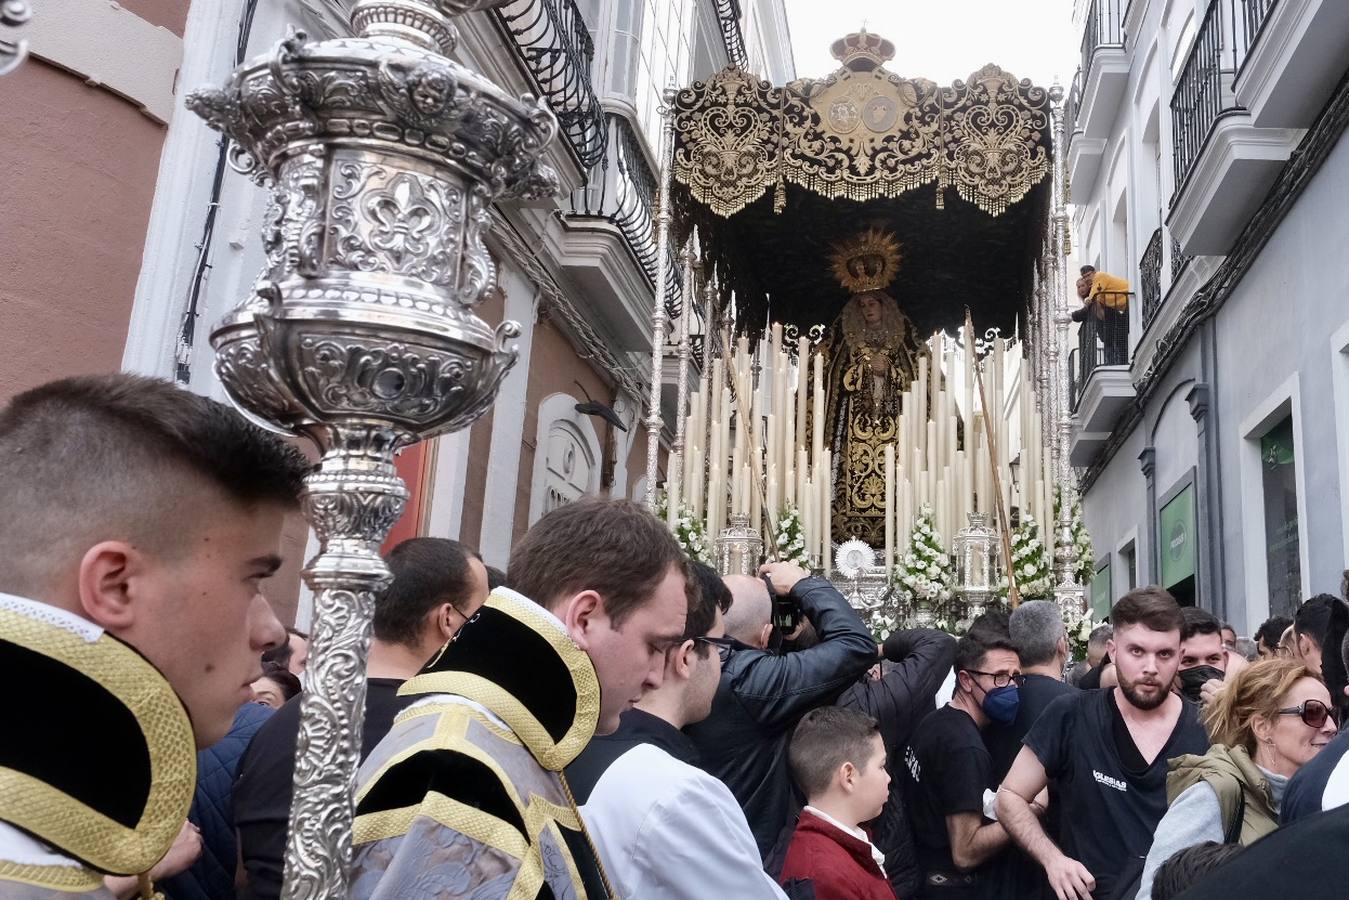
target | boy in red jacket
[{"x": 838, "y": 759}]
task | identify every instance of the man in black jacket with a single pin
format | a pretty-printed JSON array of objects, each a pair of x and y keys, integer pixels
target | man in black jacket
[
  {"x": 761, "y": 695},
  {"x": 897, "y": 693}
]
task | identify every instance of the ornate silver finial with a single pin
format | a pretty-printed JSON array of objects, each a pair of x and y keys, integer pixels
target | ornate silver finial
[
  {"x": 382, "y": 158},
  {"x": 13, "y": 13}
]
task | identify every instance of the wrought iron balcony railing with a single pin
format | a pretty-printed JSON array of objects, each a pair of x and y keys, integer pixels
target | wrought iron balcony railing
[
  {"x": 728, "y": 13},
  {"x": 1257, "y": 11},
  {"x": 1150, "y": 279},
  {"x": 1178, "y": 260},
  {"x": 1101, "y": 341},
  {"x": 1203, "y": 93},
  {"x": 558, "y": 53},
  {"x": 1072, "y": 104},
  {"x": 1104, "y": 28},
  {"x": 621, "y": 189}
]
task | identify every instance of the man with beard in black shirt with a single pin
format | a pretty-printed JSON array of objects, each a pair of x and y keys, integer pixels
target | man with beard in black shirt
[
  {"x": 1106, "y": 752},
  {"x": 946, "y": 767},
  {"x": 1036, "y": 630}
]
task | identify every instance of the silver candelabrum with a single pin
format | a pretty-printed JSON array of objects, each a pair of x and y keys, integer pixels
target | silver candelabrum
[{"x": 382, "y": 158}]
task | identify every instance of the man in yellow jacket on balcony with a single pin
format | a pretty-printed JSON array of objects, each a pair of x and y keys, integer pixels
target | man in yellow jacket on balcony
[{"x": 1107, "y": 297}]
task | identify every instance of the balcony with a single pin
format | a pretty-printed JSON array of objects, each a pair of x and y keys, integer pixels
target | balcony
[
  {"x": 728, "y": 14},
  {"x": 1224, "y": 164},
  {"x": 1150, "y": 279},
  {"x": 558, "y": 52},
  {"x": 608, "y": 241},
  {"x": 1298, "y": 51},
  {"x": 1100, "y": 385},
  {"x": 1084, "y": 153},
  {"x": 1105, "y": 68}
]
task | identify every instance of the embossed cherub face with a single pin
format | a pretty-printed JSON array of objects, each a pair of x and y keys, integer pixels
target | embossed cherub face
[{"x": 430, "y": 92}]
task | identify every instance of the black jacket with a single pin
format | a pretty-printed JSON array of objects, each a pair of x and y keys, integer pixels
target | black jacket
[
  {"x": 762, "y": 696},
  {"x": 918, "y": 661}
]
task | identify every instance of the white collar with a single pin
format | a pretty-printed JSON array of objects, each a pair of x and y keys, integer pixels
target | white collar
[
  {"x": 855, "y": 832},
  {"x": 52, "y": 615},
  {"x": 22, "y": 848}
]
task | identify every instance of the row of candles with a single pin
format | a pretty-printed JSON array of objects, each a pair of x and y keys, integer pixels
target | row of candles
[{"x": 784, "y": 461}]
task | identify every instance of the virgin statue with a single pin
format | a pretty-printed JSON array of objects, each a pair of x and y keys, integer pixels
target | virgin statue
[{"x": 870, "y": 356}]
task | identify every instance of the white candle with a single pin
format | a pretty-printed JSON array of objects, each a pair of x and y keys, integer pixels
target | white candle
[
  {"x": 817, "y": 435},
  {"x": 920, "y": 411},
  {"x": 801, "y": 438},
  {"x": 826, "y": 505},
  {"x": 774, "y": 498},
  {"x": 931, "y": 462},
  {"x": 889, "y": 509},
  {"x": 808, "y": 518}
]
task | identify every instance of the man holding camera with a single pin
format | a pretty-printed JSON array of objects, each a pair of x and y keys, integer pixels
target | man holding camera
[{"x": 762, "y": 694}]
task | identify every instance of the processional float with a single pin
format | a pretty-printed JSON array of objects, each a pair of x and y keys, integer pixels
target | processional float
[
  {"x": 865, "y": 184},
  {"x": 382, "y": 158}
]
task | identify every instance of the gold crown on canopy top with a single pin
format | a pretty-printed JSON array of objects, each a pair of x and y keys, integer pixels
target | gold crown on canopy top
[
  {"x": 862, "y": 50},
  {"x": 867, "y": 262}
]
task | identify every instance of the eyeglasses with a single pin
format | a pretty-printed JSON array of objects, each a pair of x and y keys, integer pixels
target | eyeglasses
[
  {"x": 721, "y": 645},
  {"x": 1313, "y": 713},
  {"x": 1001, "y": 679}
]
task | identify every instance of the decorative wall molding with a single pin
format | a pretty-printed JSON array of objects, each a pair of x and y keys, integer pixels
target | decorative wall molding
[{"x": 110, "y": 47}]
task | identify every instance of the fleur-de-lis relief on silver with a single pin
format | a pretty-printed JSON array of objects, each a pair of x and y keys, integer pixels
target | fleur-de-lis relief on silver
[{"x": 404, "y": 219}]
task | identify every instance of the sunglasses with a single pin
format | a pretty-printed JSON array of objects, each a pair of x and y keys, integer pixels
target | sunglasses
[
  {"x": 721, "y": 645},
  {"x": 1313, "y": 713}
]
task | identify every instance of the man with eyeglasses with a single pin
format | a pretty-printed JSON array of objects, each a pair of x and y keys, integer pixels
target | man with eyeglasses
[
  {"x": 663, "y": 826},
  {"x": 946, "y": 767},
  {"x": 1106, "y": 753}
]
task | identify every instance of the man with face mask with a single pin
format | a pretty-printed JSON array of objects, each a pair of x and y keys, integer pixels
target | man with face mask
[
  {"x": 946, "y": 767},
  {"x": 1203, "y": 659},
  {"x": 1106, "y": 753}
]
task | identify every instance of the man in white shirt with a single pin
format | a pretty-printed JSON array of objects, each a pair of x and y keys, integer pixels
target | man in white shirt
[{"x": 664, "y": 827}]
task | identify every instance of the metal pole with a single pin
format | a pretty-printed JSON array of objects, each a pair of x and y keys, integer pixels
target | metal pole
[
  {"x": 1067, "y": 591},
  {"x": 659, "y": 320},
  {"x": 685, "y": 353},
  {"x": 360, "y": 342}
]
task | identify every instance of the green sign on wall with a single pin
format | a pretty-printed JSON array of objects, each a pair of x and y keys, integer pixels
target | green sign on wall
[
  {"x": 1100, "y": 593},
  {"x": 1176, "y": 535}
]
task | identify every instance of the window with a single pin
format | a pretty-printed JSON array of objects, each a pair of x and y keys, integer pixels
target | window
[
  {"x": 570, "y": 472},
  {"x": 1129, "y": 560},
  {"x": 1102, "y": 597},
  {"x": 1278, "y": 477}
]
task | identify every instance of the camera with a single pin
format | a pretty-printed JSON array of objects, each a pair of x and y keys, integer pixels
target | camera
[{"x": 786, "y": 610}]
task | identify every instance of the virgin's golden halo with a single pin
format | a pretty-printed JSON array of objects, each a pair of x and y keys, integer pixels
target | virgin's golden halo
[{"x": 867, "y": 262}]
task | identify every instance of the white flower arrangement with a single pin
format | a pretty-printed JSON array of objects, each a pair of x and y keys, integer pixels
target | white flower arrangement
[
  {"x": 792, "y": 537},
  {"x": 925, "y": 573},
  {"x": 689, "y": 530},
  {"x": 1034, "y": 580},
  {"x": 1081, "y": 557}
]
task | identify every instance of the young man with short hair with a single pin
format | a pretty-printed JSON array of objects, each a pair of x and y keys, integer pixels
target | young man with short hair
[
  {"x": 438, "y": 585},
  {"x": 663, "y": 826},
  {"x": 947, "y": 770},
  {"x": 1310, "y": 624},
  {"x": 837, "y": 758},
  {"x": 139, "y": 523},
  {"x": 1203, "y": 659},
  {"x": 1106, "y": 752},
  {"x": 465, "y": 795}
]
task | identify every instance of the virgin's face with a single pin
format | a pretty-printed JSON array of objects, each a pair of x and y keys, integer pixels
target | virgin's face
[{"x": 870, "y": 307}]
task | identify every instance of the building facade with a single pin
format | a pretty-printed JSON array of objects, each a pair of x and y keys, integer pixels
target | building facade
[
  {"x": 158, "y": 237},
  {"x": 1207, "y": 167}
]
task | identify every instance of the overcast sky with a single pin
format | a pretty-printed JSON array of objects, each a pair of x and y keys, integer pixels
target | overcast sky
[{"x": 943, "y": 39}]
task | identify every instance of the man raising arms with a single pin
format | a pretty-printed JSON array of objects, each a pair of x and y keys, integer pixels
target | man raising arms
[{"x": 1106, "y": 753}]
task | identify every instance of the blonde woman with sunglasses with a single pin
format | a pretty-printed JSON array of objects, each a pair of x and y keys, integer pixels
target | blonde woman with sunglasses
[{"x": 1268, "y": 721}]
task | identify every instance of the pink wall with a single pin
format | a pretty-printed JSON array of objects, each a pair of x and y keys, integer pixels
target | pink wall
[{"x": 80, "y": 167}]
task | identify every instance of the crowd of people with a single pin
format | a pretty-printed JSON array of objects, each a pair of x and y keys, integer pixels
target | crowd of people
[{"x": 607, "y": 718}]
